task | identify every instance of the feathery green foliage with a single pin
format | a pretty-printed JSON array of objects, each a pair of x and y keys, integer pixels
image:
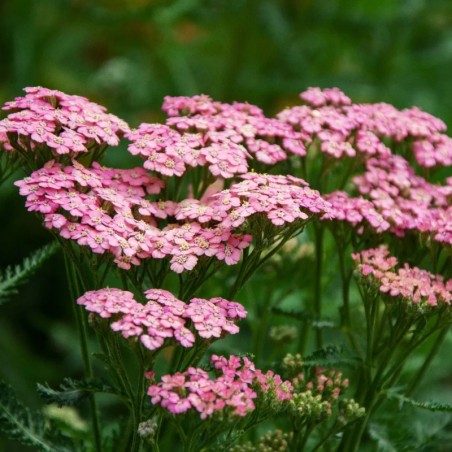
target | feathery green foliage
[
  {"x": 72, "y": 392},
  {"x": 330, "y": 356},
  {"x": 429, "y": 405},
  {"x": 12, "y": 277},
  {"x": 17, "y": 422}
]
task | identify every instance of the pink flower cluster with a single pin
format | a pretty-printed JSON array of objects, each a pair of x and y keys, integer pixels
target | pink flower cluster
[
  {"x": 327, "y": 383},
  {"x": 64, "y": 123},
  {"x": 107, "y": 210},
  {"x": 267, "y": 139},
  {"x": 411, "y": 284},
  {"x": 357, "y": 211},
  {"x": 169, "y": 151},
  {"x": 404, "y": 200},
  {"x": 223, "y": 137},
  {"x": 235, "y": 388},
  {"x": 282, "y": 199},
  {"x": 346, "y": 129},
  {"x": 163, "y": 316}
]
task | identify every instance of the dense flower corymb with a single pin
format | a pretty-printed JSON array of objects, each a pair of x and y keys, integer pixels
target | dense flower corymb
[
  {"x": 107, "y": 210},
  {"x": 163, "y": 316},
  {"x": 64, "y": 123},
  {"x": 344, "y": 129},
  {"x": 282, "y": 199},
  {"x": 409, "y": 283},
  {"x": 235, "y": 388}
]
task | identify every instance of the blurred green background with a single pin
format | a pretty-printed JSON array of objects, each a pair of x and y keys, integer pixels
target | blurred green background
[{"x": 127, "y": 55}]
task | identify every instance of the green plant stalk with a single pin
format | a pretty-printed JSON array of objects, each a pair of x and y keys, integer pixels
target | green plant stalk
[
  {"x": 416, "y": 381},
  {"x": 137, "y": 441},
  {"x": 82, "y": 333},
  {"x": 318, "y": 240},
  {"x": 252, "y": 262}
]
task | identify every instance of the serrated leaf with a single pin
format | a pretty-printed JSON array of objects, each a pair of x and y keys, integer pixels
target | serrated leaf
[
  {"x": 18, "y": 423},
  {"x": 12, "y": 277},
  {"x": 429, "y": 405},
  {"x": 304, "y": 317},
  {"x": 328, "y": 357},
  {"x": 72, "y": 392}
]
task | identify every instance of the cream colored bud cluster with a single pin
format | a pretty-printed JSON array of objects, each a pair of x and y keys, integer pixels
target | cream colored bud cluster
[{"x": 310, "y": 406}]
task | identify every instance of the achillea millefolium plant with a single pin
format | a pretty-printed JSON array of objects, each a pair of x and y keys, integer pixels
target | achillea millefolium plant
[{"x": 318, "y": 232}]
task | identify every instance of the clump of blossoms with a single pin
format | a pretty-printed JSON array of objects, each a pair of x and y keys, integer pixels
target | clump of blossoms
[
  {"x": 163, "y": 317},
  {"x": 107, "y": 209},
  {"x": 358, "y": 212},
  {"x": 410, "y": 284},
  {"x": 66, "y": 124},
  {"x": 169, "y": 152},
  {"x": 406, "y": 201},
  {"x": 234, "y": 388},
  {"x": 282, "y": 199},
  {"x": 268, "y": 140},
  {"x": 344, "y": 129}
]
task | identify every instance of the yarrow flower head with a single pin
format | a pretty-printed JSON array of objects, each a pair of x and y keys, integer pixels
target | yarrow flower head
[
  {"x": 170, "y": 152},
  {"x": 406, "y": 201},
  {"x": 267, "y": 140},
  {"x": 409, "y": 284},
  {"x": 163, "y": 317},
  {"x": 107, "y": 210},
  {"x": 234, "y": 389},
  {"x": 281, "y": 199},
  {"x": 64, "y": 123},
  {"x": 344, "y": 129},
  {"x": 356, "y": 211}
]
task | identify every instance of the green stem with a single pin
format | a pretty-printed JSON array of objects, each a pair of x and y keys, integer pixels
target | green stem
[
  {"x": 82, "y": 333},
  {"x": 259, "y": 337},
  {"x": 318, "y": 238},
  {"x": 421, "y": 372}
]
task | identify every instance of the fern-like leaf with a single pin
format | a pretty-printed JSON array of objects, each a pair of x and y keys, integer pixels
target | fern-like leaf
[
  {"x": 13, "y": 277},
  {"x": 330, "y": 356},
  {"x": 429, "y": 405},
  {"x": 72, "y": 392},
  {"x": 20, "y": 424},
  {"x": 305, "y": 317}
]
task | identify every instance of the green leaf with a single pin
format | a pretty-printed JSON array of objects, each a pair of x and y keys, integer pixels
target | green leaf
[
  {"x": 304, "y": 317},
  {"x": 18, "y": 423},
  {"x": 12, "y": 277},
  {"x": 72, "y": 392},
  {"x": 330, "y": 356},
  {"x": 430, "y": 406}
]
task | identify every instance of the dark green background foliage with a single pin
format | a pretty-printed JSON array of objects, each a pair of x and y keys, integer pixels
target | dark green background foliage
[{"x": 127, "y": 55}]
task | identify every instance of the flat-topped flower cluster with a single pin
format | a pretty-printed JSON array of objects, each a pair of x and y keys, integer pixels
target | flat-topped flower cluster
[
  {"x": 411, "y": 284},
  {"x": 231, "y": 139},
  {"x": 64, "y": 123},
  {"x": 108, "y": 210},
  {"x": 163, "y": 316},
  {"x": 235, "y": 387}
]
